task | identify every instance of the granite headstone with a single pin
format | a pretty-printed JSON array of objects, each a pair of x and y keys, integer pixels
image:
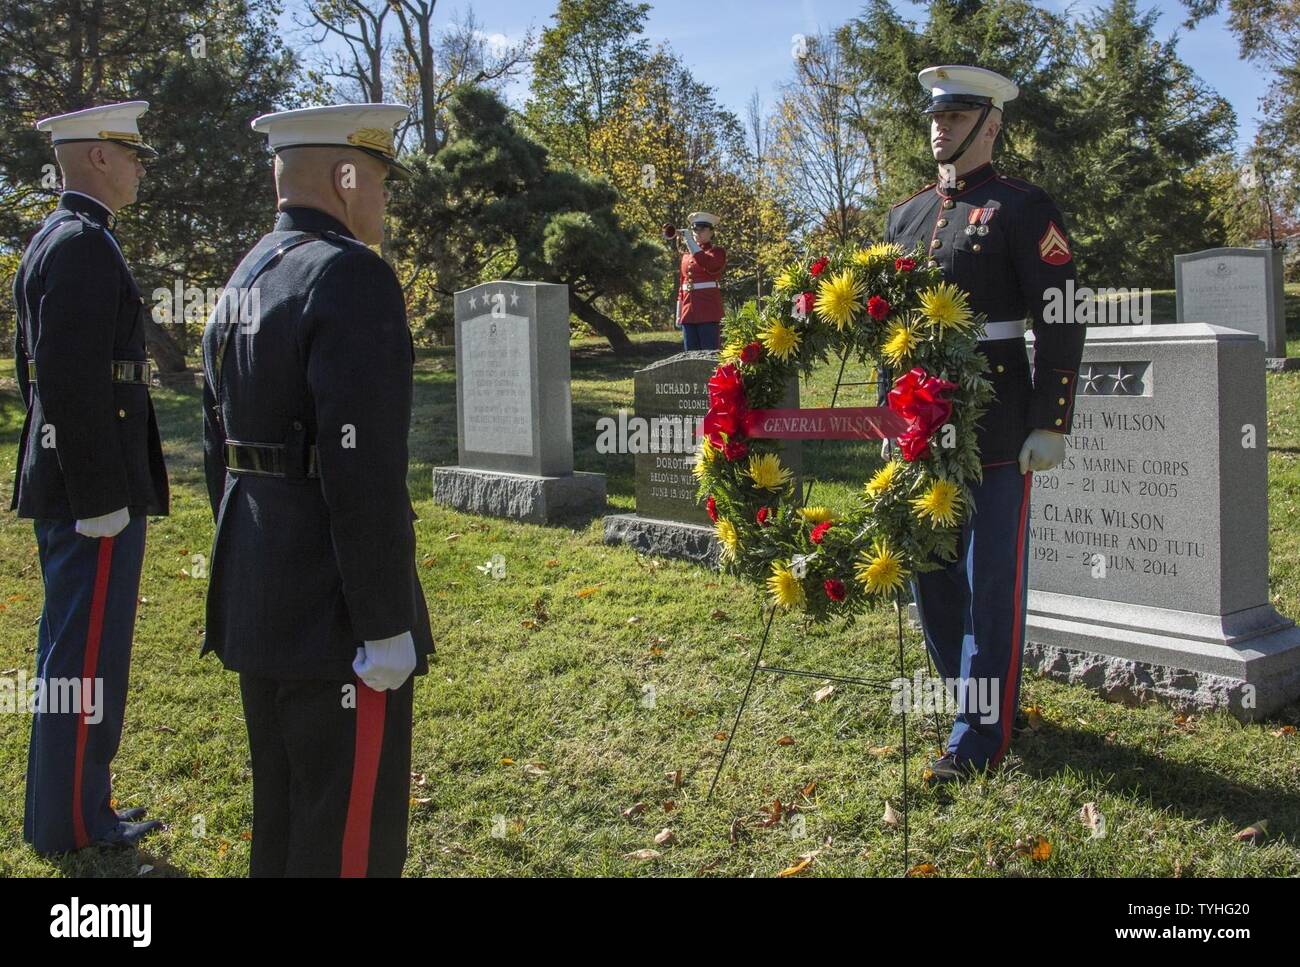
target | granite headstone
[
  {"x": 514, "y": 416},
  {"x": 1148, "y": 571},
  {"x": 671, "y": 398},
  {"x": 1236, "y": 287}
]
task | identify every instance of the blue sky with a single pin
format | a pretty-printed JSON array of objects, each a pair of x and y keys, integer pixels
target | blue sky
[{"x": 739, "y": 46}]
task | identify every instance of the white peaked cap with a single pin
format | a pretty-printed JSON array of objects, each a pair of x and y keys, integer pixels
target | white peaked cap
[
  {"x": 108, "y": 122},
  {"x": 704, "y": 217},
  {"x": 956, "y": 87},
  {"x": 366, "y": 127}
]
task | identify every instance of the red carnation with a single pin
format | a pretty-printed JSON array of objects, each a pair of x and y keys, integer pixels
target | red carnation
[
  {"x": 711, "y": 506},
  {"x": 752, "y": 353},
  {"x": 804, "y": 302},
  {"x": 727, "y": 405},
  {"x": 834, "y": 589},
  {"x": 818, "y": 267},
  {"x": 734, "y": 450},
  {"x": 877, "y": 308},
  {"x": 761, "y": 516},
  {"x": 922, "y": 400},
  {"x": 904, "y": 264},
  {"x": 819, "y": 532}
]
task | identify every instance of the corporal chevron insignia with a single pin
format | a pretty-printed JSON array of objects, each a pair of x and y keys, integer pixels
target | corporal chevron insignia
[{"x": 1052, "y": 247}]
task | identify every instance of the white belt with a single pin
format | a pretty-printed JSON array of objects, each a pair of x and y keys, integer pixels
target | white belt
[
  {"x": 689, "y": 286},
  {"x": 1008, "y": 329}
]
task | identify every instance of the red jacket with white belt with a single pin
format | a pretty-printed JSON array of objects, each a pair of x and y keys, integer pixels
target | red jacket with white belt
[{"x": 696, "y": 304}]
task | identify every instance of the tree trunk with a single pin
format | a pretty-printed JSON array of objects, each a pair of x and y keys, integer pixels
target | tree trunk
[
  {"x": 167, "y": 356},
  {"x": 603, "y": 324}
]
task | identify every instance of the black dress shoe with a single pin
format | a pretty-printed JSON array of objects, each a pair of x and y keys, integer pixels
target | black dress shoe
[
  {"x": 131, "y": 815},
  {"x": 947, "y": 768},
  {"x": 128, "y": 834}
]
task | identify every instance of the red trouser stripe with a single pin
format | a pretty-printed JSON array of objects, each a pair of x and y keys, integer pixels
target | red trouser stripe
[
  {"x": 371, "y": 706},
  {"x": 90, "y": 664},
  {"x": 1017, "y": 629}
]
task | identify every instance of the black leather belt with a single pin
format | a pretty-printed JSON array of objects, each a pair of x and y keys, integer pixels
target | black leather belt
[
  {"x": 265, "y": 459},
  {"x": 124, "y": 371}
]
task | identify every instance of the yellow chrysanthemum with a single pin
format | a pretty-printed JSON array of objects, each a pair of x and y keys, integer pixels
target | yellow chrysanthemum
[
  {"x": 730, "y": 352},
  {"x": 880, "y": 569},
  {"x": 705, "y": 457},
  {"x": 766, "y": 471},
  {"x": 879, "y": 483},
  {"x": 786, "y": 589},
  {"x": 781, "y": 340},
  {"x": 941, "y": 503},
  {"x": 902, "y": 342},
  {"x": 877, "y": 256},
  {"x": 790, "y": 280},
  {"x": 815, "y": 515},
  {"x": 945, "y": 306},
  {"x": 839, "y": 297},
  {"x": 728, "y": 538}
]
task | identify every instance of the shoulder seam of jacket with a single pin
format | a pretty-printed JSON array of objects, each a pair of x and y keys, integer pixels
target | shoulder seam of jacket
[{"x": 913, "y": 195}]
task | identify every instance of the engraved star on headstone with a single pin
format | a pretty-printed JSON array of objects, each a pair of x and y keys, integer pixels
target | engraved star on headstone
[
  {"x": 514, "y": 298},
  {"x": 1092, "y": 380},
  {"x": 1121, "y": 379},
  {"x": 473, "y": 302}
]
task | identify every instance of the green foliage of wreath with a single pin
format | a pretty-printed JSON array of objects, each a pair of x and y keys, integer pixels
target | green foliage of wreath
[{"x": 880, "y": 306}]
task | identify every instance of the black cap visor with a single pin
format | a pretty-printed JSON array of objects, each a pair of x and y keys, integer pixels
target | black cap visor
[{"x": 957, "y": 102}]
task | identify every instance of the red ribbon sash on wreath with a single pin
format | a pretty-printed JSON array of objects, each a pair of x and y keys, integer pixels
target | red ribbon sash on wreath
[
  {"x": 918, "y": 405},
  {"x": 840, "y": 423}
]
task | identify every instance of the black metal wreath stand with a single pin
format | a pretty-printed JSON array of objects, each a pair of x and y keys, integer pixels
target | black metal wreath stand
[{"x": 876, "y": 684}]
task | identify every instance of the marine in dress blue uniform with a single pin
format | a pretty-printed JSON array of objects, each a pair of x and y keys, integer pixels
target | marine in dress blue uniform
[
  {"x": 314, "y": 598},
  {"x": 90, "y": 472},
  {"x": 1003, "y": 241}
]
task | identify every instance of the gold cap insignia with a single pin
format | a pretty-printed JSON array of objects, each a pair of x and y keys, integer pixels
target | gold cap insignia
[
  {"x": 376, "y": 139},
  {"x": 130, "y": 136}
]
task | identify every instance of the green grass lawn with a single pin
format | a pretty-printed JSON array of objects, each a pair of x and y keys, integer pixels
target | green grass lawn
[{"x": 534, "y": 733}]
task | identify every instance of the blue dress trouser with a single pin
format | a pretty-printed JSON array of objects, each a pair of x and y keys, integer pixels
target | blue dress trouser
[
  {"x": 701, "y": 335},
  {"x": 973, "y": 616},
  {"x": 83, "y": 656}
]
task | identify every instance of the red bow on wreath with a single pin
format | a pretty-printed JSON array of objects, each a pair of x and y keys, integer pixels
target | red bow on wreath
[
  {"x": 727, "y": 405},
  {"x": 921, "y": 399}
]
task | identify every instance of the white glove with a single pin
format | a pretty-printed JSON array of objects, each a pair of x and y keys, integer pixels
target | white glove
[
  {"x": 1043, "y": 450},
  {"x": 110, "y": 525},
  {"x": 386, "y": 664}
]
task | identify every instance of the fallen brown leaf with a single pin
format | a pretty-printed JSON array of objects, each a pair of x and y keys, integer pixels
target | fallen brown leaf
[
  {"x": 773, "y": 815},
  {"x": 796, "y": 869}
]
